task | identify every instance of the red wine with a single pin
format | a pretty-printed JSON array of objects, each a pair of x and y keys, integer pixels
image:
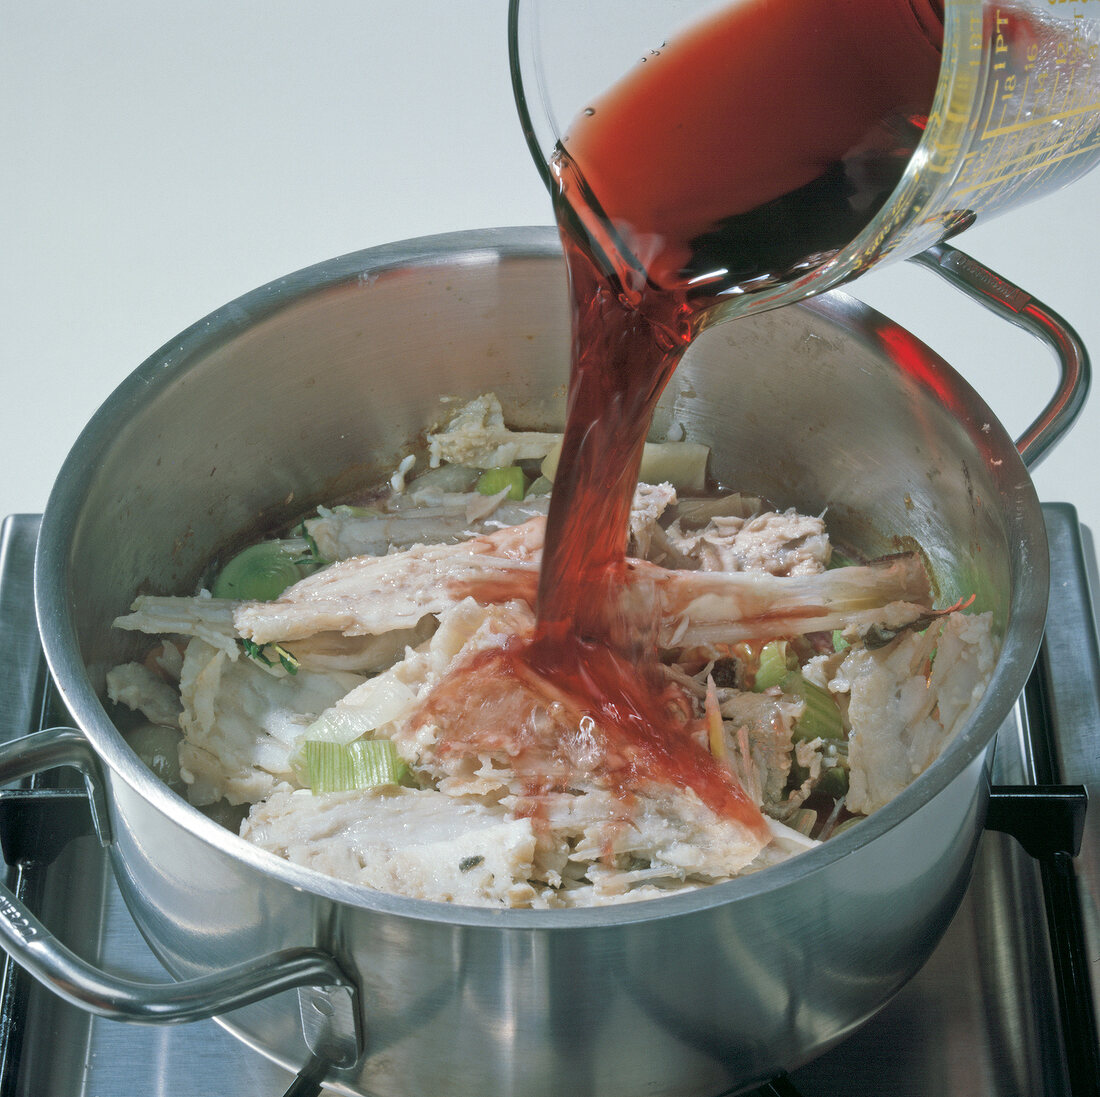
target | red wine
[
  {"x": 756, "y": 144},
  {"x": 740, "y": 154}
]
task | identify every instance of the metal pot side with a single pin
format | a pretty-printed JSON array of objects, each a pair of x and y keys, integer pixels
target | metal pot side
[{"x": 306, "y": 388}]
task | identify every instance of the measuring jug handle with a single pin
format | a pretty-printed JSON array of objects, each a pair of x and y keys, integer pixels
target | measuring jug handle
[{"x": 1023, "y": 310}]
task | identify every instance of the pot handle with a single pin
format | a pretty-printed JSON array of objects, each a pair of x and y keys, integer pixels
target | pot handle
[
  {"x": 59, "y": 747},
  {"x": 330, "y": 1015},
  {"x": 1020, "y": 308}
]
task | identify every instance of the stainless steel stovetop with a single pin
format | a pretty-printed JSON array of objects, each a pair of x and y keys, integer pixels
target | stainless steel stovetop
[{"x": 982, "y": 1019}]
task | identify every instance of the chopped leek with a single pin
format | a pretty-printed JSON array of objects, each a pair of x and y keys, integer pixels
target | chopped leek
[
  {"x": 158, "y": 748},
  {"x": 834, "y": 782},
  {"x": 388, "y": 700},
  {"x": 682, "y": 464},
  {"x": 838, "y": 559},
  {"x": 775, "y": 663},
  {"x": 803, "y": 820},
  {"x": 258, "y": 574},
  {"x": 509, "y": 478},
  {"x": 846, "y": 825},
  {"x": 444, "y": 479},
  {"x": 820, "y": 717},
  {"x": 366, "y": 763}
]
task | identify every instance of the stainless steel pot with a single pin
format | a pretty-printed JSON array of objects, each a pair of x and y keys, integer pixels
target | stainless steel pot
[{"x": 310, "y": 386}]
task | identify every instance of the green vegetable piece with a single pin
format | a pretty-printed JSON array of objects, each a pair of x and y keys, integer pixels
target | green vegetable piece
[
  {"x": 682, "y": 464},
  {"x": 377, "y": 762},
  {"x": 776, "y": 662},
  {"x": 839, "y": 643},
  {"x": 820, "y": 717},
  {"x": 834, "y": 782},
  {"x": 258, "y": 574},
  {"x": 838, "y": 559},
  {"x": 365, "y": 763},
  {"x": 290, "y": 663},
  {"x": 803, "y": 820},
  {"x": 510, "y": 477},
  {"x": 540, "y": 486},
  {"x": 311, "y": 559},
  {"x": 158, "y": 748},
  {"x": 268, "y": 653}
]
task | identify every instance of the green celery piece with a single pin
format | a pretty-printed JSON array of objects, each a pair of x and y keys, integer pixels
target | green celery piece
[{"x": 510, "y": 477}]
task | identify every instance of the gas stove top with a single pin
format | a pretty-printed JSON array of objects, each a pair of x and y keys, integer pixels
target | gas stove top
[{"x": 997, "y": 1012}]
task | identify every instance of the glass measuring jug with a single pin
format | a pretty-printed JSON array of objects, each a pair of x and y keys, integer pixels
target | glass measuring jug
[{"x": 1011, "y": 111}]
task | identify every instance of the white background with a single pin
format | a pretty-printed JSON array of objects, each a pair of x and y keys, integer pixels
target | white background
[{"x": 159, "y": 160}]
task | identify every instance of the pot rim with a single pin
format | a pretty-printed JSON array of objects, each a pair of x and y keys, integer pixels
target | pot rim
[{"x": 54, "y": 580}]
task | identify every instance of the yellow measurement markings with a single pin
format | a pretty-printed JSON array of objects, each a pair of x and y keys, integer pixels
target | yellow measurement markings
[
  {"x": 999, "y": 179},
  {"x": 1062, "y": 115}
]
